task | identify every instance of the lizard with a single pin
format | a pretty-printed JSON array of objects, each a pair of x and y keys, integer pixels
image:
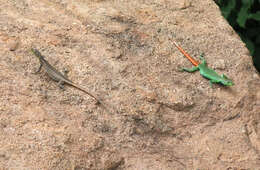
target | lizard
[
  {"x": 204, "y": 70},
  {"x": 54, "y": 74}
]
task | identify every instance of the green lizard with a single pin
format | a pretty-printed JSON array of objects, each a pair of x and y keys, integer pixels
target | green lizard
[
  {"x": 56, "y": 75},
  {"x": 204, "y": 70}
]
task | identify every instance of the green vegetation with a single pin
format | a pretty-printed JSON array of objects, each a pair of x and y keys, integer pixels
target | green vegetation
[{"x": 244, "y": 17}]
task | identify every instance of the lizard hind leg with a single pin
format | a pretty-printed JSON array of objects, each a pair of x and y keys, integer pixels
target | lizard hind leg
[
  {"x": 193, "y": 69},
  {"x": 65, "y": 72},
  {"x": 203, "y": 60},
  {"x": 61, "y": 84}
]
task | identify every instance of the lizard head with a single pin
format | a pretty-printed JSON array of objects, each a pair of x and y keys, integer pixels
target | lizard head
[
  {"x": 227, "y": 83},
  {"x": 36, "y": 52}
]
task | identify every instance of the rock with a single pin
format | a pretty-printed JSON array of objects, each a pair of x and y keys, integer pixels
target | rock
[{"x": 122, "y": 51}]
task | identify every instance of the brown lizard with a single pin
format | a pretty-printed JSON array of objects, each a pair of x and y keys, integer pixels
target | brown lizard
[{"x": 58, "y": 76}]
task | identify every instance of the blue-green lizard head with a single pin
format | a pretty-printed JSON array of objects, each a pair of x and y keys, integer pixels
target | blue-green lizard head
[{"x": 225, "y": 81}]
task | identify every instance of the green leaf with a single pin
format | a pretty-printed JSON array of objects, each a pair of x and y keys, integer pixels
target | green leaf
[
  {"x": 243, "y": 13},
  {"x": 248, "y": 2},
  {"x": 255, "y": 16},
  {"x": 242, "y": 17},
  {"x": 226, "y": 10}
]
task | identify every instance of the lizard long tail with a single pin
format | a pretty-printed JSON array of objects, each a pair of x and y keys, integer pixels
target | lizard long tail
[
  {"x": 85, "y": 91},
  {"x": 88, "y": 93},
  {"x": 192, "y": 60}
]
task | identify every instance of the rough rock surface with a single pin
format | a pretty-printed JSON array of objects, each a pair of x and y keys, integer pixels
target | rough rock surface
[{"x": 122, "y": 51}]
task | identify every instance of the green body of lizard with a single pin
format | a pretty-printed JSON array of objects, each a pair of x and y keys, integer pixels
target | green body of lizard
[
  {"x": 56, "y": 75},
  {"x": 204, "y": 70}
]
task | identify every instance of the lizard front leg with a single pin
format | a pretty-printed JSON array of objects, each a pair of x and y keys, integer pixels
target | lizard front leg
[
  {"x": 224, "y": 76},
  {"x": 211, "y": 82},
  {"x": 39, "y": 69}
]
